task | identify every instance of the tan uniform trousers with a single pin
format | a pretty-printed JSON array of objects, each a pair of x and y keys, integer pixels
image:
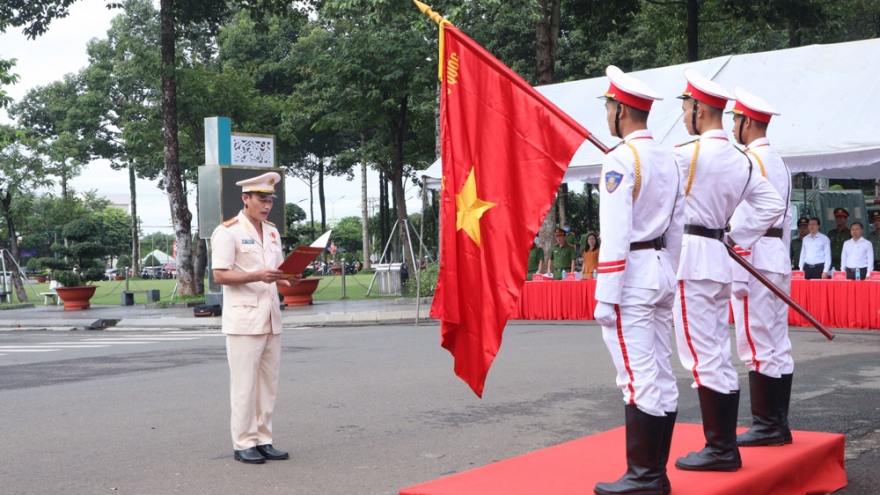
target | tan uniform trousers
[{"x": 253, "y": 384}]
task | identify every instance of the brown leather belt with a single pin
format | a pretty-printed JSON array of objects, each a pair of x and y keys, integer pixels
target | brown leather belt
[
  {"x": 655, "y": 244},
  {"x": 774, "y": 233},
  {"x": 699, "y": 230}
]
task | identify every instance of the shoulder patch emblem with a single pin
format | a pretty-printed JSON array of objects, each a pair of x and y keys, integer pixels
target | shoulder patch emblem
[
  {"x": 229, "y": 222},
  {"x": 612, "y": 180}
]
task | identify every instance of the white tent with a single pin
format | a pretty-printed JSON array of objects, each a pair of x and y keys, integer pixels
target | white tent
[
  {"x": 828, "y": 95},
  {"x": 160, "y": 257}
]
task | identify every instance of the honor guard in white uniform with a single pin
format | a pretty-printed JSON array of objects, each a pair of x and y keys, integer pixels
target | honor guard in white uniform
[
  {"x": 718, "y": 176},
  {"x": 762, "y": 318},
  {"x": 246, "y": 253},
  {"x": 640, "y": 216}
]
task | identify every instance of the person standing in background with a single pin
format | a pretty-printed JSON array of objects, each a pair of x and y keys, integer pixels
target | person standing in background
[
  {"x": 838, "y": 235},
  {"x": 857, "y": 255},
  {"x": 591, "y": 255},
  {"x": 536, "y": 259},
  {"x": 815, "y": 259},
  {"x": 795, "y": 248}
]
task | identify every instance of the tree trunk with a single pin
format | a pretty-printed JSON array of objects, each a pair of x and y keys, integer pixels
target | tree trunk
[
  {"x": 135, "y": 241},
  {"x": 562, "y": 203},
  {"x": 398, "y": 125},
  {"x": 692, "y": 31},
  {"x": 546, "y": 35},
  {"x": 312, "y": 205},
  {"x": 201, "y": 264},
  {"x": 383, "y": 206},
  {"x": 365, "y": 214},
  {"x": 588, "y": 188},
  {"x": 322, "y": 200},
  {"x": 11, "y": 267},
  {"x": 181, "y": 217},
  {"x": 794, "y": 36}
]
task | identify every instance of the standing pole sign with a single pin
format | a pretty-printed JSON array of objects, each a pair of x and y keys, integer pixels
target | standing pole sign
[{"x": 231, "y": 157}]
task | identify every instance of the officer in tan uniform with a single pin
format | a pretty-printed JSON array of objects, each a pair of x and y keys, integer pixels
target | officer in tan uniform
[{"x": 245, "y": 259}]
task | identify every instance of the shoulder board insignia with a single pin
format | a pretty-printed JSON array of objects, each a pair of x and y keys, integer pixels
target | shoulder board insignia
[
  {"x": 270, "y": 223},
  {"x": 687, "y": 143},
  {"x": 229, "y": 222}
]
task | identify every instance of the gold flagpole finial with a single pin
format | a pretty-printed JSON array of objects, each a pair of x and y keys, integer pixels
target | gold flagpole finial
[{"x": 430, "y": 13}]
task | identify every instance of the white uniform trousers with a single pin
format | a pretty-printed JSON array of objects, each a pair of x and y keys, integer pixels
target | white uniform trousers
[
  {"x": 640, "y": 346},
  {"x": 253, "y": 384},
  {"x": 702, "y": 331},
  {"x": 762, "y": 327}
]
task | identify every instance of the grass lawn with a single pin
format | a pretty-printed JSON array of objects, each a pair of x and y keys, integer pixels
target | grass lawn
[{"x": 108, "y": 293}]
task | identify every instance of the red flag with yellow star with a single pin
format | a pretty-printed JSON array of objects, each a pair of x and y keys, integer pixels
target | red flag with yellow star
[{"x": 505, "y": 148}]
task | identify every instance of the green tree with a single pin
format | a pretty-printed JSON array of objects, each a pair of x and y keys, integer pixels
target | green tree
[
  {"x": 21, "y": 173},
  {"x": 6, "y": 78},
  {"x": 115, "y": 231},
  {"x": 53, "y": 117},
  {"x": 82, "y": 253},
  {"x": 179, "y": 19}
]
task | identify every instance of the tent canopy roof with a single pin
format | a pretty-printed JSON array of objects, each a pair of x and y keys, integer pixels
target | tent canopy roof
[{"x": 828, "y": 95}]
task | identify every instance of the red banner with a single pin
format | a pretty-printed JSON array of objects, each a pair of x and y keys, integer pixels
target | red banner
[{"x": 505, "y": 149}]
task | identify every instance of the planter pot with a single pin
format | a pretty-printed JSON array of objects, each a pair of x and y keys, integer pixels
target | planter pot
[
  {"x": 300, "y": 294},
  {"x": 41, "y": 280},
  {"x": 76, "y": 297},
  {"x": 119, "y": 277}
]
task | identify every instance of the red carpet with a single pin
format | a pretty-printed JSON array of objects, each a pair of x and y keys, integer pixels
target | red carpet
[{"x": 812, "y": 465}]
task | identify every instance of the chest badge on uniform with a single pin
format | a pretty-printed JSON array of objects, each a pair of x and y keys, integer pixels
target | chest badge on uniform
[
  {"x": 247, "y": 241},
  {"x": 612, "y": 180}
]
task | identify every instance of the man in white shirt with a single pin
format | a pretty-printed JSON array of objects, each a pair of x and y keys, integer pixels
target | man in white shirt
[
  {"x": 815, "y": 253},
  {"x": 857, "y": 254}
]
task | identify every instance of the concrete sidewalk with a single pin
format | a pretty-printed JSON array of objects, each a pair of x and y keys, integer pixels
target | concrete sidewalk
[{"x": 128, "y": 318}]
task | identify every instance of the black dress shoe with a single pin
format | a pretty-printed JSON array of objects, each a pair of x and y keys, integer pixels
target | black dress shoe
[
  {"x": 249, "y": 456},
  {"x": 271, "y": 453}
]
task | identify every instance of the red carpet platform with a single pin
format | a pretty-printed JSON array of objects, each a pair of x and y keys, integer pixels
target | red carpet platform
[{"x": 812, "y": 465}]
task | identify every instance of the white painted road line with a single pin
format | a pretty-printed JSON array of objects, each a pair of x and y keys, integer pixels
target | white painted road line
[{"x": 30, "y": 350}]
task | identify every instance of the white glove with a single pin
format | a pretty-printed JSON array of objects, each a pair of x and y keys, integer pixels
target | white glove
[
  {"x": 740, "y": 289},
  {"x": 605, "y": 314}
]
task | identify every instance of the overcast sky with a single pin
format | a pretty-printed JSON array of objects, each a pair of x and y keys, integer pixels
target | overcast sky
[{"x": 62, "y": 50}]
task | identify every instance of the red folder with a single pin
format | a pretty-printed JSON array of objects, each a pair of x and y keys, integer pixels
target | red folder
[{"x": 302, "y": 256}]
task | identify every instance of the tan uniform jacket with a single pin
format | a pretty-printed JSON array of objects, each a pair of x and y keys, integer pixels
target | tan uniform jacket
[{"x": 254, "y": 308}]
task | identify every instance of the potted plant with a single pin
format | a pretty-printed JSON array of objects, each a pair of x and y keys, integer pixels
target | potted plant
[
  {"x": 301, "y": 293},
  {"x": 78, "y": 265},
  {"x": 33, "y": 268}
]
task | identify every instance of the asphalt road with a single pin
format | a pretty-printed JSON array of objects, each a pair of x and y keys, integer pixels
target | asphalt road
[{"x": 362, "y": 410}]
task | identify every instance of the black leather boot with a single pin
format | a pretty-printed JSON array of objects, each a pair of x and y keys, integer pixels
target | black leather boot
[
  {"x": 719, "y": 426},
  {"x": 664, "y": 449},
  {"x": 766, "y": 430},
  {"x": 644, "y": 438},
  {"x": 784, "y": 400}
]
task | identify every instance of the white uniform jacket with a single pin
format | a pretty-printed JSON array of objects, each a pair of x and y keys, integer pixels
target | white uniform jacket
[
  {"x": 721, "y": 180},
  {"x": 657, "y": 209},
  {"x": 770, "y": 254},
  {"x": 254, "y": 308}
]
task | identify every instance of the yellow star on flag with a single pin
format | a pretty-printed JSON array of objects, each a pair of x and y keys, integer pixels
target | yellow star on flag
[{"x": 469, "y": 208}]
